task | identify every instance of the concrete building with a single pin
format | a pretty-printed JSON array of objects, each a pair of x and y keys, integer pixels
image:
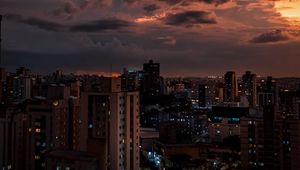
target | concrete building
[
  {"x": 51, "y": 124},
  {"x": 13, "y": 125}
]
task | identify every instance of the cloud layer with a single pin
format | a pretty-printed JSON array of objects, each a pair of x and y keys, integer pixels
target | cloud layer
[
  {"x": 190, "y": 18},
  {"x": 188, "y": 37},
  {"x": 89, "y": 26},
  {"x": 276, "y": 36}
]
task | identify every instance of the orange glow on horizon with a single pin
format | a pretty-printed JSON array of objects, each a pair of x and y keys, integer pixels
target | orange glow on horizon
[{"x": 98, "y": 73}]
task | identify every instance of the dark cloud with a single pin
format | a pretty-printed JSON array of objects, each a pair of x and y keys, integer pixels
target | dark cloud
[
  {"x": 42, "y": 24},
  {"x": 185, "y": 2},
  {"x": 130, "y": 1},
  {"x": 101, "y": 25},
  {"x": 149, "y": 8},
  {"x": 92, "y": 26},
  {"x": 12, "y": 17},
  {"x": 216, "y": 2},
  {"x": 171, "y": 2},
  {"x": 190, "y": 18},
  {"x": 91, "y": 58},
  {"x": 35, "y": 22},
  {"x": 271, "y": 37}
]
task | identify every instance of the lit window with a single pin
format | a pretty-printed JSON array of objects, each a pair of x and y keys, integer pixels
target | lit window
[
  {"x": 55, "y": 103},
  {"x": 37, "y": 130}
]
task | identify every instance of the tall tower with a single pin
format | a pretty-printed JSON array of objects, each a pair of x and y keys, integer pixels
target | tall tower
[
  {"x": 230, "y": 89},
  {"x": 0, "y": 42},
  {"x": 249, "y": 87},
  {"x": 152, "y": 81}
]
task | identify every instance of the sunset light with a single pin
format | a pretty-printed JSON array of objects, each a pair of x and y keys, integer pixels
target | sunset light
[
  {"x": 149, "y": 84},
  {"x": 289, "y": 9}
]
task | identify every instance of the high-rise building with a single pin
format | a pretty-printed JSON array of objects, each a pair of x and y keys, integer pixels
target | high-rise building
[
  {"x": 207, "y": 95},
  {"x": 131, "y": 80},
  {"x": 258, "y": 140},
  {"x": 270, "y": 141},
  {"x": 289, "y": 103},
  {"x": 12, "y": 142},
  {"x": 249, "y": 88},
  {"x": 52, "y": 124},
  {"x": 152, "y": 83},
  {"x": 15, "y": 87},
  {"x": 230, "y": 87},
  {"x": 202, "y": 95},
  {"x": 112, "y": 121},
  {"x": 22, "y": 88},
  {"x": 267, "y": 92},
  {"x": 30, "y": 129}
]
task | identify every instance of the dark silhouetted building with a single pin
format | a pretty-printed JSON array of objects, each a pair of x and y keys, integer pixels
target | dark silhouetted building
[
  {"x": 131, "y": 80},
  {"x": 230, "y": 87},
  {"x": 207, "y": 95},
  {"x": 267, "y": 92},
  {"x": 249, "y": 88},
  {"x": 152, "y": 84},
  {"x": 1, "y": 40},
  {"x": 257, "y": 140},
  {"x": 224, "y": 121},
  {"x": 270, "y": 141}
]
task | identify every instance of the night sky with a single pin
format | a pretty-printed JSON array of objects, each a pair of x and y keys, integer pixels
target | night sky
[{"x": 188, "y": 37}]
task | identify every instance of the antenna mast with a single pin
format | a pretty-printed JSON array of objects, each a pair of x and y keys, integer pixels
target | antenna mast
[{"x": 0, "y": 41}]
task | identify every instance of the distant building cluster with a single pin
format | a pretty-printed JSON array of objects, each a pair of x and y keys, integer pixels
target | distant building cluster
[
  {"x": 253, "y": 120},
  {"x": 66, "y": 122},
  {"x": 141, "y": 120}
]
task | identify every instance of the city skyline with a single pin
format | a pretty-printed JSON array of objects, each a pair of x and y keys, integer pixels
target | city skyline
[
  {"x": 188, "y": 37},
  {"x": 141, "y": 120}
]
